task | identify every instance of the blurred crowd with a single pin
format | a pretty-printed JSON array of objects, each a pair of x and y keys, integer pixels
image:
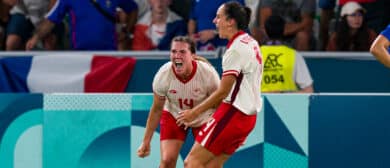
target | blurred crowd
[{"x": 311, "y": 25}]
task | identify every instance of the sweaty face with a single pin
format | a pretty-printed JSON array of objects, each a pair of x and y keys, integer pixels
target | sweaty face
[
  {"x": 221, "y": 22},
  {"x": 181, "y": 58}
]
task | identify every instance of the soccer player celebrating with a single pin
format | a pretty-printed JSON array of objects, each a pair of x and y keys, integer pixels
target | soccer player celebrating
[
  {"x": 180, "y": 84},
  {"x": 239, "y": 92}
]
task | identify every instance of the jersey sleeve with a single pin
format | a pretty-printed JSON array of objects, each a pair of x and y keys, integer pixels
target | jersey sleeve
[
  {"x": 160, "y": 81},
  {"x": 386, "y": 32},
  {"x": 58, "y": 11},
  {"x": 232, "y": 63}
]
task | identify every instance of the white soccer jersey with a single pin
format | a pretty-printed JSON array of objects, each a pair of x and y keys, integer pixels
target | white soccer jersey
[
  {"x": 243, "y": 59},
  {"x": 182, "y": 95}
]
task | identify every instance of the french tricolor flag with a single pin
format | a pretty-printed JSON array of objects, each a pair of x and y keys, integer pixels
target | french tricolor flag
[{"x": 65, "y": 73}]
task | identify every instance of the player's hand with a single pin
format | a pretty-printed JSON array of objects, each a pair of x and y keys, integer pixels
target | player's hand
[
  {"x": 186, "y": 117},
  {"x": 143, "y": 150}
]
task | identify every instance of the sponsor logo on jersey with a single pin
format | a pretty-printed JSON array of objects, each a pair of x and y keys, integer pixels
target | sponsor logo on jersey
[{"x": 172, "y": 91}]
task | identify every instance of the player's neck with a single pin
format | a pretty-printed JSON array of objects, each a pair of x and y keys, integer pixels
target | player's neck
[{"x": 232, "y": 33}]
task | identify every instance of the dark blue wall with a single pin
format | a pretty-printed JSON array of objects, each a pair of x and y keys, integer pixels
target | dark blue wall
[
  {"x": 349, "y": 131},
  {"x": 329, "y": 75}
]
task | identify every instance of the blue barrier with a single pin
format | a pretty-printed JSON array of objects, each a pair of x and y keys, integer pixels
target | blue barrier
[{"x": 102, "y": 130}]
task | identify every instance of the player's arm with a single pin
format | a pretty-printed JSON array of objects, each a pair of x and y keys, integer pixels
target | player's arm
[
  {"x": 379, "y": 49},
  {"x": 151, "y": 124},
  {"x": 216, "y": 97},
  {"x": 213, "y": 100}
]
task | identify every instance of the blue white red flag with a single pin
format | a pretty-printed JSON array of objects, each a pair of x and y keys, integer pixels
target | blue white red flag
[{"x": 65, "y": 73}]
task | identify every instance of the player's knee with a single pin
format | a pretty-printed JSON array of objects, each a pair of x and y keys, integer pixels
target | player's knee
[
  {"x": 168, "y": 162},
  {"x": 191, "y": 163}
]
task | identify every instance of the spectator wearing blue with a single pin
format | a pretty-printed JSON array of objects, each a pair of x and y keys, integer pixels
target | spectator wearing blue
[
  {"x": 92, "y": 22},
  {"x": 25, "y": 16},
  {"x": 285, "y": 70},
  {"x": 381, "y": 47},
  {"x": 200, "y": 24},
  {"x": 157, "y": 27}
]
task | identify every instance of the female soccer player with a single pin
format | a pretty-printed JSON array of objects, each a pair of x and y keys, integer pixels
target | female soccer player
[
  {"x": 180, "y": 84},
  {"x": 239, "y": 92}
]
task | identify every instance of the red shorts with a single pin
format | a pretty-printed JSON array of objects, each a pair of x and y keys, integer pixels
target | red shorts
[
  {"x": 226, "y": 131},
  {"x": 170, "y": 130}
]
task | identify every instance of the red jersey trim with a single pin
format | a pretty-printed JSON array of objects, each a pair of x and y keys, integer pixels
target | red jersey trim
[
  {"x": 194, "y": 69},
  {"x": 230, "y": 72},
  {"x": 234, "y": 37}
]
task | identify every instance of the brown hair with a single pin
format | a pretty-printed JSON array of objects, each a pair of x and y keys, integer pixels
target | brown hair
[
  {"x": 241, "y": 14},
  {"x": 188, "y": 40}
]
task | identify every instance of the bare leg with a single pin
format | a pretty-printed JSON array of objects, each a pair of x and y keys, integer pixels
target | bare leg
[
  {"x": 218, "y": 161},
  {"x": 198, "y": 157},
  {"x": 169, "y": 152}
]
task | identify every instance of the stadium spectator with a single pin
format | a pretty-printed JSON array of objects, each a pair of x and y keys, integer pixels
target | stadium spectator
[
  {"x": 285, "y": 70},
  {"x": 143, "y": 7},
  {"x": 201, "y": 27},
  {"x": 157, "y": 27},
  {"x": 238, "y": 96},
  {"x": 352, "y": 33},
  {"x": 181, "y": 7},
  {"x": 125, "y": 32},
  {"x": 376, "y": 16},
  {"x": 92, "y": 23},
  {"x": 381, "y": 47},
  {"x": 298, "y": 15},
  {"x": 253, "y": 5},
  {"x": 180, "y": 84},
  {"x": 4, "y": 17},
  {"x": 24, "y": 19}
]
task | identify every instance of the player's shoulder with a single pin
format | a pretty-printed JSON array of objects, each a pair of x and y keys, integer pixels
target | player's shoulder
[
  {"x": 243, "y": 42},
  {"x": 167, "y": 66},
  {"x": 165, "y": 69},
  {"x": 205, "y": 66}
]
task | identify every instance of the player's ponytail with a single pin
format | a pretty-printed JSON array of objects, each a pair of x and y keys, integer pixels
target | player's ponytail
[
  {"x": 239, "y": 13},
  {"x": 203, "y": 59}
]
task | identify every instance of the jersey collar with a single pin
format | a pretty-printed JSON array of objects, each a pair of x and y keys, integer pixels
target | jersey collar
[
  {"x": 194, "y": 67},
  {"x": 234, "y": 37}
]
